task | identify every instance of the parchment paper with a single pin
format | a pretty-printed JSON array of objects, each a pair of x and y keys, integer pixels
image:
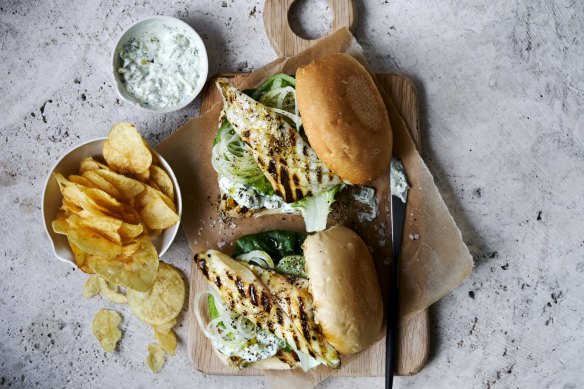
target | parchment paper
[{"x": 431, "y": 266}]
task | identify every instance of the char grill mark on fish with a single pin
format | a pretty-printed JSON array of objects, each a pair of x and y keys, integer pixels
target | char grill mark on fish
[
  {"x": 236, "y": 278},
  {"x": 293, "y": 296},
  {"x": 291, "y": 165}
]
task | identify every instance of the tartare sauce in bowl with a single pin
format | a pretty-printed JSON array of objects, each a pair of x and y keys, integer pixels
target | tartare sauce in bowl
[{"x": 160, "y": 64}]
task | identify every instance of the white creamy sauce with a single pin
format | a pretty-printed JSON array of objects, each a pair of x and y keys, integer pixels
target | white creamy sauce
[
  {"x": 264, "y": 345},
  {"x": 161, "y": 69},
  {"x": 250, "y": 198},
  {"x": 366, "y": 195},
  {"x": 399, "y": 182}
]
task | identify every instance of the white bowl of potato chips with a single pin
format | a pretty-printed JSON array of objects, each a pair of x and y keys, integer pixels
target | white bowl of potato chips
[{"x": 127, "y": 208}]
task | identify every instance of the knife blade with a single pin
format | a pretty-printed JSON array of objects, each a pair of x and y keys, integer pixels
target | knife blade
[{"x": 398, "y": 216}]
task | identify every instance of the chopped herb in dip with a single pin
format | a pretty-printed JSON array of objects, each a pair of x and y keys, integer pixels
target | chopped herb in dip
[{"x": 161, "y": 69}]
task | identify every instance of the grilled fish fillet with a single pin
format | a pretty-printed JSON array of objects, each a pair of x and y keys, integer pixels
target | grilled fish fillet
[
  {"x": 247, "y": 295},
  {"x": 293, "y": 296},
  {"x": 291, "y": 165}
]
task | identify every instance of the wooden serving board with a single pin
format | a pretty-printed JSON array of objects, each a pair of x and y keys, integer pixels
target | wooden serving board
[{"x": 414, "y": 336}]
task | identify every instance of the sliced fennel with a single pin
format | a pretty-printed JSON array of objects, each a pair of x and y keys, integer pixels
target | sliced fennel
[
  {"x": 306, "y": 361},
  {"x": 276, "y": 81},
  {"x": 259, "y": 257},
  {"x": 283, "y": 101},
  {"x": 315, "y": 209},
  {"x": 233, "y": 334},
  {"x": 232, "y": 158}
]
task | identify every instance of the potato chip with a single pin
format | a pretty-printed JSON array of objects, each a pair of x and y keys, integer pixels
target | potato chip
[
  {"x": 76, "y": 194},
  {"x": 125, "y": 150},
  {"x": 91, "y": 242},
  {"x": 90, "y": 163},
  {"x": 167, "y": 340},
  {"x": 127, "y": 187},
  {"x": 156, "y": 358},
  {"x": 71, "y": 208},
  {"x": 81, "y": 181},
  {"x": 144, "y": 176},
  {"x": 60, "y": 226},
  {"x": 153, "y": 185},
  {"x": 154, "y": 233},
  {"x": 136, "y": 267},
  {"x": 154, "y": 211},
  {"x": 99, "y": 182},
  {"x": 98, "y": 203},
  {"x": 163, "y": 302},
  {"x": 103, "y": 200},
  {"x": 165, "y": 327},
  {"x": 130, "y": 231},
  {"x": 111, "y": 292},
  {"x": 105, "y": 329},
  {"x": 80, "y": 258},
  {"x": 91, "y": 287},
  {"x": 162, "y": 181},
  {"x": 106, "y": 226}
]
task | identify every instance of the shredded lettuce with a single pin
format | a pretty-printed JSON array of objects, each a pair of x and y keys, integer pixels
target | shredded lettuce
[
  {"x": 292, "y": 265},
  {"x": 315, "y": 209},
  {"x": 276, "y": 81}
]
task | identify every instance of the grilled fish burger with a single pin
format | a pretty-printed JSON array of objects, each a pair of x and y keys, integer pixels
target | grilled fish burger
[
  {"x": 291, "y": 144},
  {"x": 285, "y": 300}
]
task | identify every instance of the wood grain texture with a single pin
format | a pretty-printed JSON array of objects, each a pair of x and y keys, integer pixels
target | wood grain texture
[
  {"x": 284, "y": 40},
  {"x": 414, "y": 336}
]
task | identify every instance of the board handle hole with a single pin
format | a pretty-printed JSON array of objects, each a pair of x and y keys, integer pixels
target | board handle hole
[{"x": 310, "y": 19}]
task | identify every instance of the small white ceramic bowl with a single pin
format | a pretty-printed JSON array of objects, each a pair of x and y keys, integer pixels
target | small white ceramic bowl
[
  {"x": 52, "y": 198},
  {"x": 154, "y": 24}
]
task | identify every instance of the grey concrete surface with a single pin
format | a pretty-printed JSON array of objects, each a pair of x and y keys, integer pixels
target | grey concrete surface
[{"x": 502, "y": 102}]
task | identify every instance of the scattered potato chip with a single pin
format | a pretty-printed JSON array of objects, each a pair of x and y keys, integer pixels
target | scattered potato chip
[
  {"x": 162, "y": 181},
  {"x": 125, "y": 150},
  {"x": 108, "y": 219},
  {"x": 105, "y": 329},
  {"x": 163, "y": 302},
  {"x": 156, "y": 358},
  {"x": 111, "y": 292},
  {"x": 167, "y": 340},
  {"x": 154, "y": 211},
  {"x": 165, "y": 327},
  {"x": 136, "y": 267},
  {"x": 91, "y": 287}
]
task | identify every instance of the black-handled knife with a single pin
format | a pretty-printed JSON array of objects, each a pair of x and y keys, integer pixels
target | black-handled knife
[{"x": 398, "y": 215}]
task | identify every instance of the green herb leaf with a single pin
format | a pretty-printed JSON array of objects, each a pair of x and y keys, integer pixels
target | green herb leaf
[{"x": 277, "y": 244}]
